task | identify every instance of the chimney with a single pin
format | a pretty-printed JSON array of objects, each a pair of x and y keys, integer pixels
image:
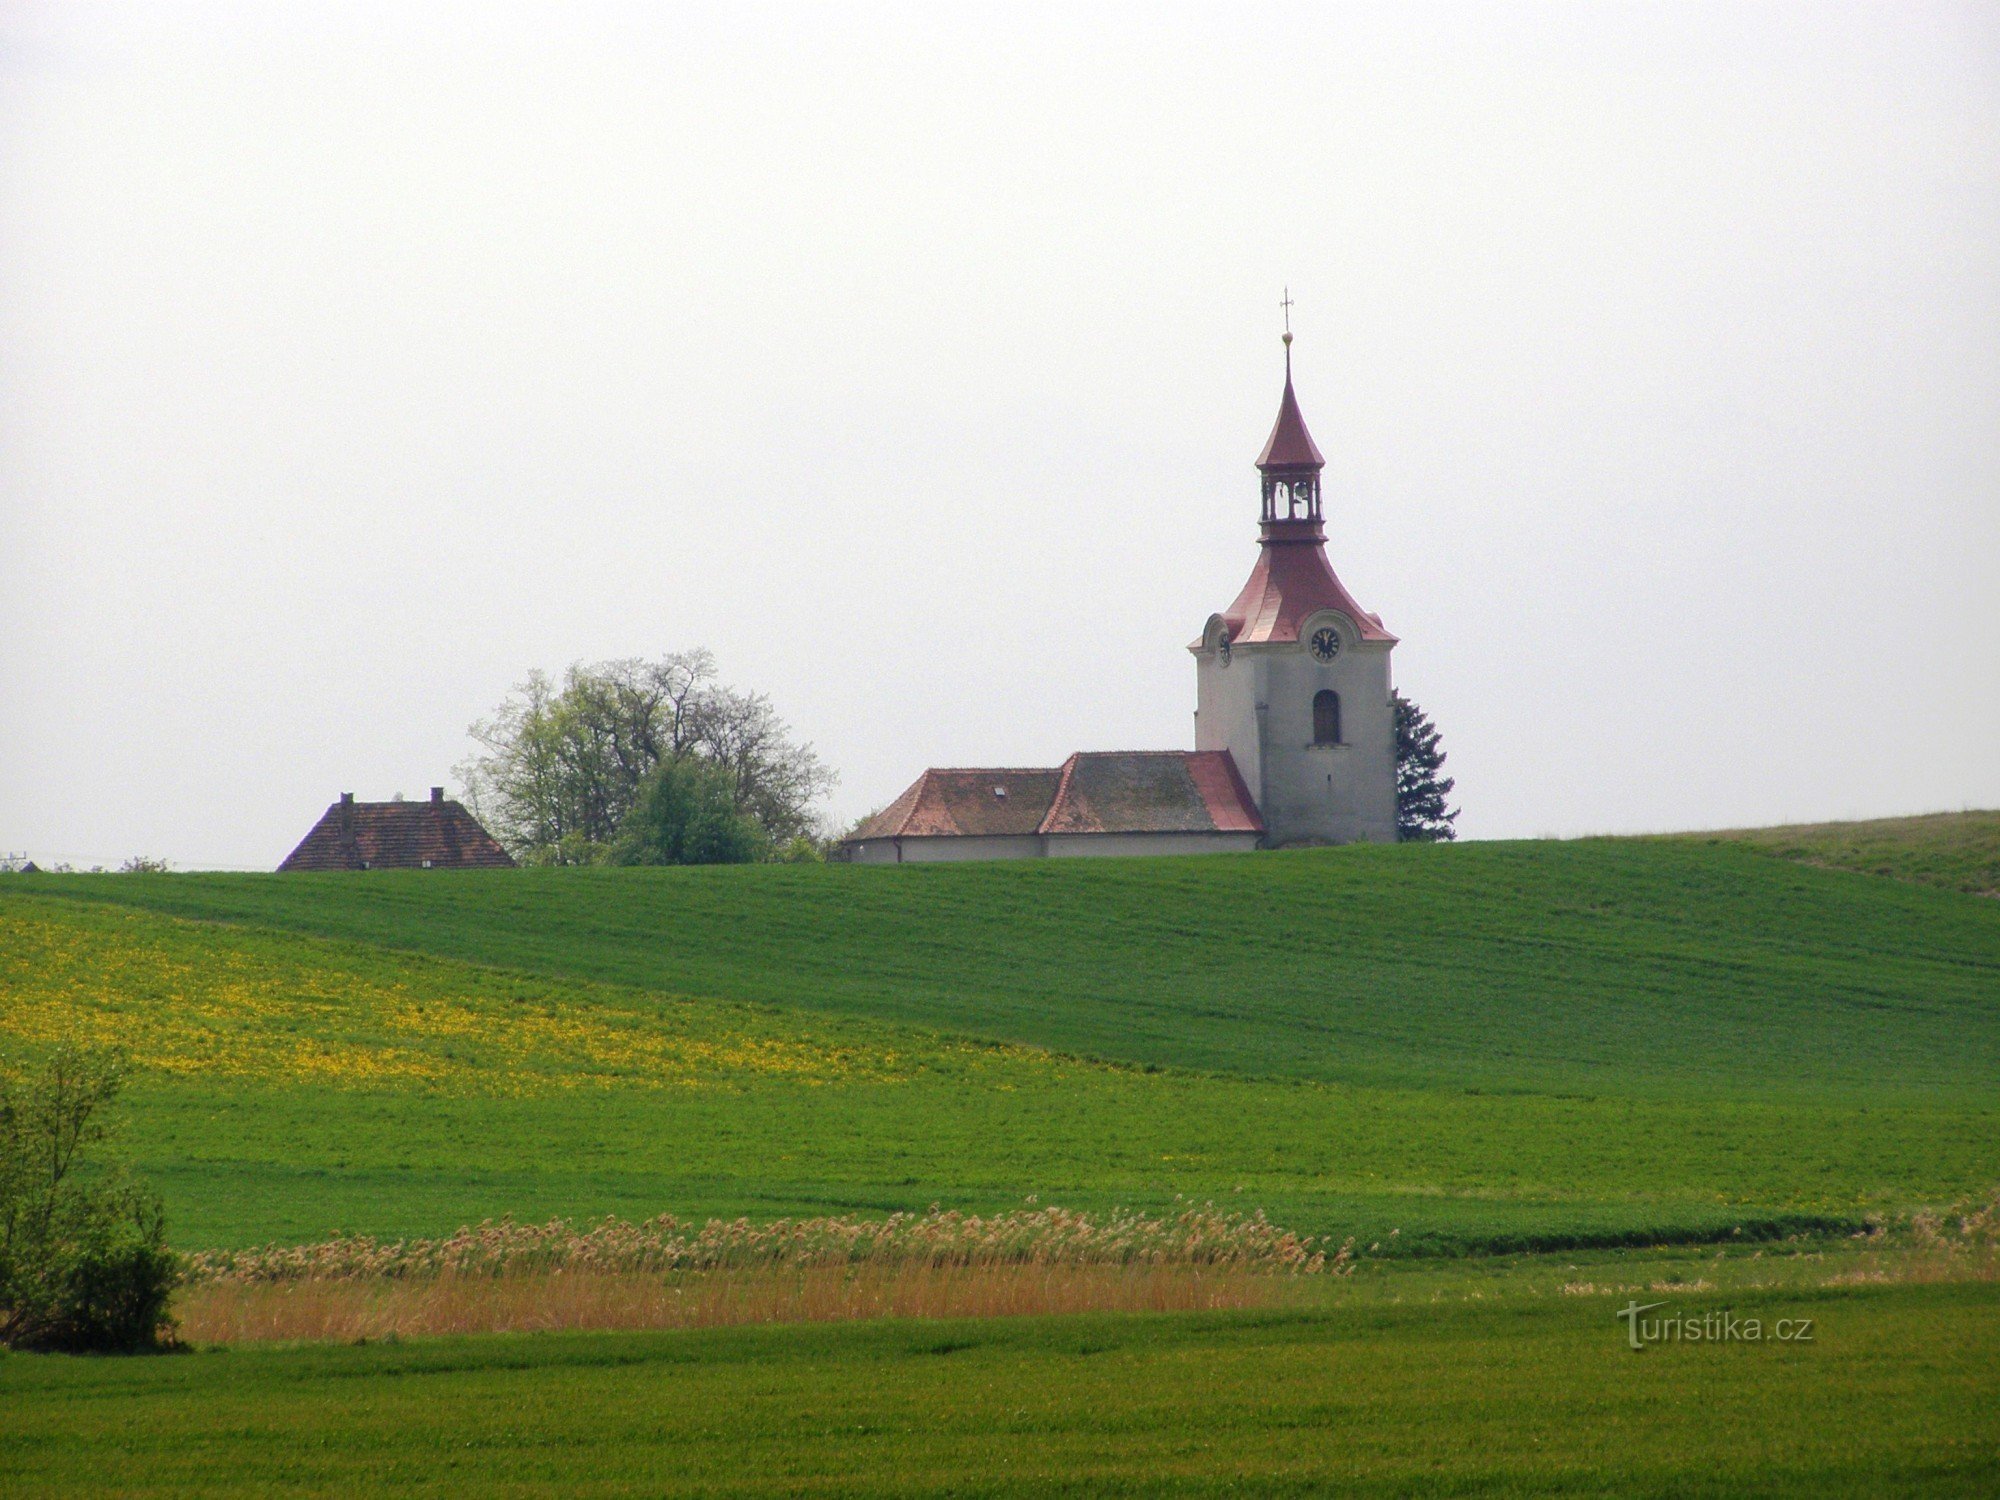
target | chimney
[
  {"x": 347, "y": 799},
  {"x": 437, "y": 796}
]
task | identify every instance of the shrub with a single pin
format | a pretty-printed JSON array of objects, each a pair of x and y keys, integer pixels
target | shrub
[
  {"x": 804, "y": 849},
  {"x": 83, "y": 1265}
]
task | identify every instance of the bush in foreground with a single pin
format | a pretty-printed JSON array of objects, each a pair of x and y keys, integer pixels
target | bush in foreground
[{"x": 83, "y": 1265}]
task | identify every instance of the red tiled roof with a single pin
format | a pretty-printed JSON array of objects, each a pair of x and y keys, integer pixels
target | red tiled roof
[
  {"x": 437, "y": 835},
  {"x": 1293, "y": 581},
  {"x": 1118, "y": 791},
  {"x": 1230, "y": 805}
]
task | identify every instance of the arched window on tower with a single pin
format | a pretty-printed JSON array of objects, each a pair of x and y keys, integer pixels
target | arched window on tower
[{"x": 1326, "y": 717}]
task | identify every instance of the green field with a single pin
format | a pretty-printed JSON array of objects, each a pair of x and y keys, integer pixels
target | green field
[
  {"x": 1636, "y": 966},
  {"x": 1448, "y": 1053},
  {"x": 1958, "y": 851},
  {"x": 1429, "y": 1048},
  {"x": 1895, "y": 1394}
]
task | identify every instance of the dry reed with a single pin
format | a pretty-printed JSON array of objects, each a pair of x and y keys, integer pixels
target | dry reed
[
  {"x": 349, "y": 1310},
  {"x": 663, "y": 1273},
  {"x": 1960, "y": 1243},
  {"x": 1197, "y": 1236}
]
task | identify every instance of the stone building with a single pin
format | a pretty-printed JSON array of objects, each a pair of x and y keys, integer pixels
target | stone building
[{"x": 1295, "y": 738}]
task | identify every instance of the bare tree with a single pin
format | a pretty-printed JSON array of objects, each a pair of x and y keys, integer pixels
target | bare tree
[{"x": 776, "y": 781}]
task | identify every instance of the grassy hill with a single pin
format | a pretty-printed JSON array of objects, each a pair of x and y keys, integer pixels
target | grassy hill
[
  {"x": 1640, "y": 967},
  {"x": 1959, "y": 851},
  {"x": 1600, "y": 1041}
]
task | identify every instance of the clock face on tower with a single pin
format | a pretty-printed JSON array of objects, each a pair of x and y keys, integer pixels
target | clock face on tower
[{"x": 1326, "y": 643}]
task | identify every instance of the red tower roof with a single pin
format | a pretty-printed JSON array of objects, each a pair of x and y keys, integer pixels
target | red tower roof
[
  {"x": 1292, "y": 582},
  {"x": 1293, "y": 579},
  {"x": 1290, "y": 446}
]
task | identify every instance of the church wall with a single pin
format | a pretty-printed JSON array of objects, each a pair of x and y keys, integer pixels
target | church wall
[
  {"x": 1086, "y": 845},
  {"x": 936, "y": 850},
  {"x": 919, "y": 849}
]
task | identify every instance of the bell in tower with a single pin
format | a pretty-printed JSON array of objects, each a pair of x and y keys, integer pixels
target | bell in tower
[{"x": 1290, "y": 462}]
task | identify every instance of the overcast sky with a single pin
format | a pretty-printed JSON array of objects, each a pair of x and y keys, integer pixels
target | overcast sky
[{"x": 355, "y": 362}]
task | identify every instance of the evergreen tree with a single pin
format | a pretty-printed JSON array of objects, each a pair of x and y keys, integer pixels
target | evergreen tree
[{"x": 1421, "y": 815}]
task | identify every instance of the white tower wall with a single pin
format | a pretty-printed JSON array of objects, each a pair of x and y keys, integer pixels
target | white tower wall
[{"x": 1259, "y": 707}]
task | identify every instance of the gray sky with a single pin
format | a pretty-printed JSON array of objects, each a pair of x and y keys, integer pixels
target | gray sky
[{"x": 914, "y": 360}]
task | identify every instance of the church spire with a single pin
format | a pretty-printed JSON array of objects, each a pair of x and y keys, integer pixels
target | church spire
[{"x": 1290, "y": 462}]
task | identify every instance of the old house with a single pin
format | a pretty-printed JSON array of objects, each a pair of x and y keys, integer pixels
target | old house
[{"x": 433, "y": 835}]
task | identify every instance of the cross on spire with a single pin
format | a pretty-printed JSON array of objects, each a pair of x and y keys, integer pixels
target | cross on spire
[{"x": 1286, "y": 304}]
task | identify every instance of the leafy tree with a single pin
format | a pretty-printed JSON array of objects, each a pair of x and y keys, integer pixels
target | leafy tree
[
  {"x": 562, "y": 767},
  {"x": 83, "y": 1264},
  {"x": 1420, "y": 791},
  {"x": 686, "y": 814}
]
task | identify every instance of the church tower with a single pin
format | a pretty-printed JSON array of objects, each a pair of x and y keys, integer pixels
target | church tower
[{"x": 1293, "y": 678}]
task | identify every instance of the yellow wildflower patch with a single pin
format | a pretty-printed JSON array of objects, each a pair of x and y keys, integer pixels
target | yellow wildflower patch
[{"x": 201, "y": 999}]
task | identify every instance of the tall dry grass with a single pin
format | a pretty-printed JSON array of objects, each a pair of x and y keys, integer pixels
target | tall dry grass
[
  {"x": 1199, "y": 1235},
  {"x": 663, "y": 1273},
  {"x": 236, "y": 1312},
  {"x": 1960, "y": 1243}
]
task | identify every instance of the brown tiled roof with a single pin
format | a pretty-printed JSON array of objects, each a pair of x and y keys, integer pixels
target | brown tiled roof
[
  {"x": 1118, "y": 791},
  {"x": 436, "y": 835},
  {"x": 960, "y": 801},
  {"x": 1153, "y": 791}
]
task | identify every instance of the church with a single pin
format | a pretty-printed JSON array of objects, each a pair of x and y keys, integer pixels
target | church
[{"x": 1295, "y": 738}]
